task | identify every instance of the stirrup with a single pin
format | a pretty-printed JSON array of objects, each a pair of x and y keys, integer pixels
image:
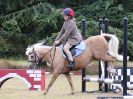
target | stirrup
[{"x": 70, "y": 64}]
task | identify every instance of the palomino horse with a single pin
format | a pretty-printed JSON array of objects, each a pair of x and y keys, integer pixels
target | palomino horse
[{"x": 96, "y": 48}]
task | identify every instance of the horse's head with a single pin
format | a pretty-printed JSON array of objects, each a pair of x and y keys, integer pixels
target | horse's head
[
  {"x": 33, "y": 57},
  {"x": 37, "y": 54},
  {"x": 33, "y": 54}
]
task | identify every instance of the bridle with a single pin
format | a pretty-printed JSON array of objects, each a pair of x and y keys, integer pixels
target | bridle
[{"x": 38, "y": 59}]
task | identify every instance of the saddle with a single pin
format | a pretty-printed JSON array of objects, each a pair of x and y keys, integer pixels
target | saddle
[{"x": 75, "y": 50}]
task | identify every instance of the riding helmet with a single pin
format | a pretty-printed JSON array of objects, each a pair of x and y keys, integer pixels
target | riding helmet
[{"x": 68, "y": 11}]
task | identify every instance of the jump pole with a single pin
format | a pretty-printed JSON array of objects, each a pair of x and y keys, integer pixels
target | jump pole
[{"x": 107, "y": 80}]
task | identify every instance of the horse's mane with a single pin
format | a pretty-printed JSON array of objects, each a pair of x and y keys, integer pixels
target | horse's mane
[{"x": 37, "y": 45}]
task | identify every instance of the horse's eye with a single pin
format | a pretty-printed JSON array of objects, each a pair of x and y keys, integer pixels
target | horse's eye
[{"x": 31, "y": 56}]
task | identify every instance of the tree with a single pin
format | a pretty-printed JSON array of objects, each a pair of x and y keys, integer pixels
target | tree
[{"x": 28, "y": 25}]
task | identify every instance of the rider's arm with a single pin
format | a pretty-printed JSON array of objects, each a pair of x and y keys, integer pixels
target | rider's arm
[
  {"x": 68, "y": 29},
  {"x": 60, "y": 34}
]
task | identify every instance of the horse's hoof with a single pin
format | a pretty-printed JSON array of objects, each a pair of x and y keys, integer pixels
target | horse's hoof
[
  {"x": 112, "y": 71},
  {"x": 72, "y": 93},
  {"x": 45, "y": 93},
  {"x": 117, "y": 91},
  {"x": 102, "y": 87}
]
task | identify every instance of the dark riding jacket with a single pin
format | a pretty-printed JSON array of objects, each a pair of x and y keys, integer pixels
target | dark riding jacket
[{"x": 70, "y": 32}]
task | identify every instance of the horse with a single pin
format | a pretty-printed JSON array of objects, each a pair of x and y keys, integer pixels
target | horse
[{"x": 97, "y": 47}]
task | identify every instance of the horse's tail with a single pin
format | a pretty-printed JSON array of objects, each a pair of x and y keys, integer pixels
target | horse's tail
[{"x": 113, "y": 46}]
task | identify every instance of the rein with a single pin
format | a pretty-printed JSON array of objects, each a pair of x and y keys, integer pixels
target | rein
[
  {"x": 50, "y": 53},
  {"x": 53, "y": 56},
  {"x": 36, "y": 56}
]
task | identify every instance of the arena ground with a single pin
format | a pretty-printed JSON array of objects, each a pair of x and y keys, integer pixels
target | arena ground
[{"x": 17, "y": 89}]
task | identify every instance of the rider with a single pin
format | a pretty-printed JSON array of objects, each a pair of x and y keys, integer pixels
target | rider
[{"x": 70, "y": 33}]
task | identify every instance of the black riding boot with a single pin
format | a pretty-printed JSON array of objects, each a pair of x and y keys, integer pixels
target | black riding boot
[{"x": 70, "y": 64}]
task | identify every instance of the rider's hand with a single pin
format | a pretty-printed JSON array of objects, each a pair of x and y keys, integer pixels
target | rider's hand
[{"x": 56, "y": 43}]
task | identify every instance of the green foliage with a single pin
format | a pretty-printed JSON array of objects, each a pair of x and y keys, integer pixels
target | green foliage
[
  {"x": 50, "y": 40},
  {"x": 27, "y": 26},
  {"x": 130, "y": 49},
  {"x": 50, "y": 21},
  {"x": 92, "y": 28},
  {"x": 11, "y": 26}
]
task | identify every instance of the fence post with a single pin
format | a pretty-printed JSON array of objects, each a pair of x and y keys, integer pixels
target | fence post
[
  {"x": 106, "y": 22},
  {"x": 125, "y": 26},
  {"x": 103, "y": 28},
  {"x": 100, "y": 30},
  {"x": 83, "y": 70}
]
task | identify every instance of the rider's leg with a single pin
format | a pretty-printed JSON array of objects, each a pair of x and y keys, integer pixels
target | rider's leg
[{"x": 66, "y": 49}]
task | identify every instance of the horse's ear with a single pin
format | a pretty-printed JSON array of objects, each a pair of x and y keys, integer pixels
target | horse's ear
[
  {"x": 28, "y": 49},
  {"x": 112, "y": 33},
  {"x": 42, "y": 42}
]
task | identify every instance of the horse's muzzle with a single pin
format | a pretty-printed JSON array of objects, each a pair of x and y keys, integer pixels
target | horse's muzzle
[{"x": 31, "y": 65}]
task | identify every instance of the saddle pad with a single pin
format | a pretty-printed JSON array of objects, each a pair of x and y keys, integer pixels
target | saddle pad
[{"x": 77, "y": 50}]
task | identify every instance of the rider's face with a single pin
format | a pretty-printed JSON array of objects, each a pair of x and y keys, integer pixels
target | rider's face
[{"x": 65, "y": 17}]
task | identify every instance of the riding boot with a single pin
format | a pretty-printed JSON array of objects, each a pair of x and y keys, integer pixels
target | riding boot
[{"x": 70, "y": 64}]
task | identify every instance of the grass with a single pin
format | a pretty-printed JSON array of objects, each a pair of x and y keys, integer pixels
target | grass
[
  {"x": 11, "y": 63},
  {"x": 16, "y": 89}
]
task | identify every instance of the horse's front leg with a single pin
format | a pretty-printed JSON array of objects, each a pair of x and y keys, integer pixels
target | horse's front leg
[
  {"x": 54, "y": 77},
  {"x": 68, "y": 76}
]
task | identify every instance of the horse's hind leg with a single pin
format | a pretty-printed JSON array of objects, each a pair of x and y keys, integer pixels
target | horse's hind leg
[
  {"x": 111, "y": 61},
  {"x": 68, "y": 76}
]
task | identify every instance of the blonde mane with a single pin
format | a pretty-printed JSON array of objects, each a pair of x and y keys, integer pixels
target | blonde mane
[{"x": 38, "y": 45}]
